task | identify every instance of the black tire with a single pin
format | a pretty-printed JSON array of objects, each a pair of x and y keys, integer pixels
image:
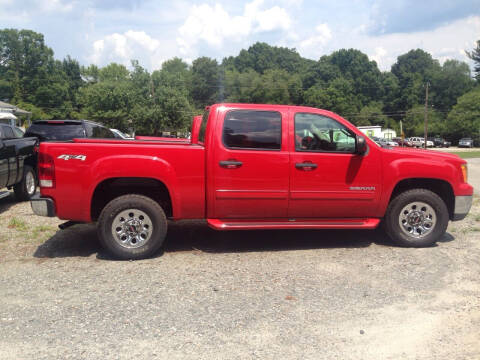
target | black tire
[
  {"x": 403, "y": 208},
  {"x": 24, "y": 190},
  {"x": 132, "y": 248}
]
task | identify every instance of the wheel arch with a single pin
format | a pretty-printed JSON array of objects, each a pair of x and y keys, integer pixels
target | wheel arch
[
  {"x": 440, "y": 187},
  {"x": 111, "y": 188}
]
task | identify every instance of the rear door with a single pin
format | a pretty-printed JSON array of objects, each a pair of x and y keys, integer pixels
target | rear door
[
  {"x": 328, "y": 180},
  {"x": 249, "y": 165}
]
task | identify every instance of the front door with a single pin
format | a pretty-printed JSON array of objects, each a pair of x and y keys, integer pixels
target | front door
[
  {"x": 328, "y": 180},
  {"x": 250, "y": 166}
]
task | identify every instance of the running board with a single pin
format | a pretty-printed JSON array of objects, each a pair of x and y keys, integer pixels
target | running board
[
  {"x": 4, "y": 194},
  {"x": 272, "y": 224}
]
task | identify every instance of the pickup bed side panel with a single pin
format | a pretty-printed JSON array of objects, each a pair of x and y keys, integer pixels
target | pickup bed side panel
[{"x": 179, "y": 168}]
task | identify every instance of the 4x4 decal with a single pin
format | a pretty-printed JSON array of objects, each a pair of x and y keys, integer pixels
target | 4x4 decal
[{"x": 75, "y": 157}]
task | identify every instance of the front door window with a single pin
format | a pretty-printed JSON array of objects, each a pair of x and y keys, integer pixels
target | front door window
[{"x": 315, "y": 132}]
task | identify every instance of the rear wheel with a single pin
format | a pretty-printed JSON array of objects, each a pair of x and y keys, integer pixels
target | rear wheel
[
  {"x": 416, "y": 218},
  {"x": 26, "y": 188},
  {"x": 132, "y": 227}
]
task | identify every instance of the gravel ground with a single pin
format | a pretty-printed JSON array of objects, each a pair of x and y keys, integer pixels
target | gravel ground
[{"x": 237, "y": 295}]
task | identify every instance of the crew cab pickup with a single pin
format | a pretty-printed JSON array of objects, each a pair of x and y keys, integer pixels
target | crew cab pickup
[
  {"x": 252, "y": 167},
  {"x": 17, "y": 163}
]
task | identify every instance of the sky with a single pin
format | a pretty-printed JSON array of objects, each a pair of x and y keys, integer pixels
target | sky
[{"x": 152, "y": 31}]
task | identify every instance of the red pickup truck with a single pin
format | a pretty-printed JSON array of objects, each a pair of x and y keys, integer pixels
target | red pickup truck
[{"x": 252, "y": 167}]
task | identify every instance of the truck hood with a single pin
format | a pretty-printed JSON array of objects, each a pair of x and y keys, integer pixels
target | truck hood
[{"x": 424, "y": 154}]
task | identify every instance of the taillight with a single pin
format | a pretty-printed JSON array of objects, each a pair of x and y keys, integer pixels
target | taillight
[{"x": 46, "y": 170}]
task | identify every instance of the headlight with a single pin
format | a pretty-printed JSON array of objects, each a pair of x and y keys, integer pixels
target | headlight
[{"x": 464, "y": 172}]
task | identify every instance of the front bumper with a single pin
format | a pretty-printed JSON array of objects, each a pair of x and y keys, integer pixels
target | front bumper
[
  {"x": 462, "y": 207},
  {"x": 42, "y": 206}
]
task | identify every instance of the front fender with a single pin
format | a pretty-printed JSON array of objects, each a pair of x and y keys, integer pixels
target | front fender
[{"x": 403, "y": 169}]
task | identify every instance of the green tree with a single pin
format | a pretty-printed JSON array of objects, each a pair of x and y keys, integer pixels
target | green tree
[
  {"x": 169, "y": 110},
  {"x": 464, "y": 119},
  {"x": 339, "y": 97},
  {"x": 175, "y": 74},
  {"x": 413, "y": 70},
  {"x": 113, "y": 72},
  {"x": 108, "y": 102},
  {"x": 205, "y": 84},
  {"x": 451, "y": 82},
  {"x": 24, "y": 59},
  {"x": 475, "y": 56},
  {"x": 262, "y": 57},
  {"x": 90, "y": 74},
  {"x": 371, "y": 114},
  {"x": 72, "y": 70},
  {"x": 414, "y": 122}
]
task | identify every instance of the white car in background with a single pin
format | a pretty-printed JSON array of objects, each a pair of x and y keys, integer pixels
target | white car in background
[
  {"x": 420, "y": 142},
  {"x": 384, "y": 142}
]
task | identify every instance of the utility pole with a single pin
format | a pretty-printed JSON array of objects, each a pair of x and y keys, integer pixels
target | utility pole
[
  {"x": 402, "y": 135},
  {"x": 426, "y": 114}
]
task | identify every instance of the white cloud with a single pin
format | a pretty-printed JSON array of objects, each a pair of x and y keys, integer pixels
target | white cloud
[
  {"x": 127, "y": 46},
  {"x": 379, "y": 54},
  {"x": 214, "y": 25},
  {"x": 57, "y": 6},
  {"x": 446, "y": 42},
  {"x": 322, "y": 36},
  {"x": 313, "y": 45}
]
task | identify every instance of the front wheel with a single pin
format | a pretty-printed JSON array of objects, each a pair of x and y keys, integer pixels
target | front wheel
[
  {"x": 416, "y": 218},
  {"x": 132, "y": 227},
  {"x": 26, "y": 188}
]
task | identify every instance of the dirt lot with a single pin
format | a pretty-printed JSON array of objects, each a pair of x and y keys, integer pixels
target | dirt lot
[{"x": 238, "y": 295}]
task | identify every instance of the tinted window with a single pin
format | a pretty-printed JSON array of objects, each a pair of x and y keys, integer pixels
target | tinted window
[
  {"x": 249, "y": 129},
  {"x": 56, "y": 131},
  {"x": 99, "y": 132},
  {"x": 203, "y": 127},
  {"x": 320, "y": 133},
  {"x": 18, "y": 133},
  {"x": 8, "y": 132},
  {"x": 102, "y": 132}
]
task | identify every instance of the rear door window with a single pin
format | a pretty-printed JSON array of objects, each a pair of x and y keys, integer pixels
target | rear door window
[{"x": 249, "y": 129}]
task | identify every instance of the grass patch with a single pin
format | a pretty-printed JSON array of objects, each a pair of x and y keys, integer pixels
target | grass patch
[
  {"x": 476, "y": 229},
  {"x": 17, "y": 224},
  {"x": 40, "y": 231},
  {"x": 467, "y": 154}
]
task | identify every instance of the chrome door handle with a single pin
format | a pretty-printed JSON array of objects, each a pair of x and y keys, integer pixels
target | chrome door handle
[
  {"x": 306, "y": 166},
  {"x": 230, "y": 164}
]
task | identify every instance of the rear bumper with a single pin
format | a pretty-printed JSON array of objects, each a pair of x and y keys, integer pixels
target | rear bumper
[
  {"x": 462, "y": 207},
  {"x": 42, "y": 206}
]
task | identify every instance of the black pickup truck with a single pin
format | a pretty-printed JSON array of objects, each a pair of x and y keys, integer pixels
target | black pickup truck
[{"x": 17, "y": 163}]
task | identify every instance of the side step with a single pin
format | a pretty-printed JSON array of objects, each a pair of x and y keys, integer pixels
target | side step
[
  {"x": 271, "y": 224},
  {"x": 4, "y": 194}
]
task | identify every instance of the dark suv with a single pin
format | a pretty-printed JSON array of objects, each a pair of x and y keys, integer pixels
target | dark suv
[
  {"x": 46, "y": 130},
  {"x": 17, "y": 163}
]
